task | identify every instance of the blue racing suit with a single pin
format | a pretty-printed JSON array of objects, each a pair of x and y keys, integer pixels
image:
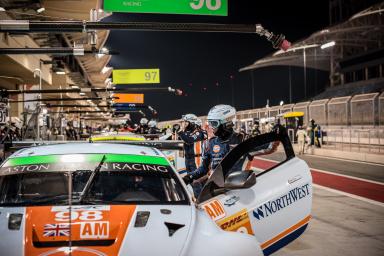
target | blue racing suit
[
  {"x": 215, "y": 151},
  {"x": 194, "y": 144},
  {"x": 193, "y": 147}
]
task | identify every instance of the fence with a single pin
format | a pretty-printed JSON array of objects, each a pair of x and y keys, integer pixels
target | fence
[
  {"x": 363, "y": 110},
  {"x": 355, "y": 139},
  {"x": 381, "y": 109}
]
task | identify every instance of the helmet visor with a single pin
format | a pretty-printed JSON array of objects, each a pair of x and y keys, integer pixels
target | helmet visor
[{"x": 214, "y": 123}]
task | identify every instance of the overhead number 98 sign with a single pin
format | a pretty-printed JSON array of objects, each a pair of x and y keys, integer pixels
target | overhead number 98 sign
[{"x": 193, "y": 7}]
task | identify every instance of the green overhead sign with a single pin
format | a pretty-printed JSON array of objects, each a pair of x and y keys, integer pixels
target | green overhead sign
[{"x": 194, "y": 7}]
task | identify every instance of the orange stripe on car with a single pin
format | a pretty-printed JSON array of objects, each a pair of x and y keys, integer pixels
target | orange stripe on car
[{"x": 286, "y": 232}]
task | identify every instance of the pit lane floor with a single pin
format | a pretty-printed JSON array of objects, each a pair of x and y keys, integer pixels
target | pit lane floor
[
  {"x": 343, "y": 224},
  {"x": 340, "y": 225}
]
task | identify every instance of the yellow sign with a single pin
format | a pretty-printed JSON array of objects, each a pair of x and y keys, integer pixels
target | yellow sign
[
  {"x": 136, "y": 76},
  {"x": 129, "y": 98}
]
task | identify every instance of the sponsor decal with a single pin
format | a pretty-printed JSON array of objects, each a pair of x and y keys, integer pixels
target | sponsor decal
[
  {"x": 61, "y": 229},
  {"x": 231, "y": 201},
  {"x": 81, "y": 208},
  {"x": 59, "y": 167},
  {"x": 25, "y": 168},
  {"x": 215, "y": 210},
  {"x": 238, "y": 222},
  {"x": 136, "y": 167},
  {"x": 280, "y": 203},
  {"x": 85, "y": 226},
  {"x": 94, "y": 230},
  {"x": 216, "y": 148},
  {"x": 84, "y": 158}
]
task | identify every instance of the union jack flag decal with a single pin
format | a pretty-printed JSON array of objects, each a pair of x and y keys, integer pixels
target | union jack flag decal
[{"x": 61, "y": 229}]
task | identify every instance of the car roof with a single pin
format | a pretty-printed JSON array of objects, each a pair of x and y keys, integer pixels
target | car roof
[{"x": 87, "y": 148}]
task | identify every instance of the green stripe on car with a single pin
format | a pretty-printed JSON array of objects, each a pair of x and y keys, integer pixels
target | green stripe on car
[{"x": 73, "y": 158}]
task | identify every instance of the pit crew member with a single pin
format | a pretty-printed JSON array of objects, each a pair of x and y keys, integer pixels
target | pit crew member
[{"x": 221, "y": 120}]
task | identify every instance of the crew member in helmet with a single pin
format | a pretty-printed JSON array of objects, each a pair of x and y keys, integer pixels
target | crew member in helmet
[
  {"x": 152, "y": 125},
  {"x": 221, "y": 119},
  {"x": 193, "y": 137},
  {"x": 143, "y": 127}
]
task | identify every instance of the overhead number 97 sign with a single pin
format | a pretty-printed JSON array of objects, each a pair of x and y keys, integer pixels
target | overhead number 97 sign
[
  {"x": 136, "y": 76},
  {"x": 193, "y": 7}
]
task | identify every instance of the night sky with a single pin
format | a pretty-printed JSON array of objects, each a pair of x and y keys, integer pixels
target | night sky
[{"x": 201, "y": 64}]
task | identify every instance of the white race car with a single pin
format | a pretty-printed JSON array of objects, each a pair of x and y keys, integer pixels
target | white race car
[{"x": 117, "y": 199}]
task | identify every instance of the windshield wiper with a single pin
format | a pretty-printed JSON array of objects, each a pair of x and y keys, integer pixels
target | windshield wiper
[{"x": 91, "y": 179}]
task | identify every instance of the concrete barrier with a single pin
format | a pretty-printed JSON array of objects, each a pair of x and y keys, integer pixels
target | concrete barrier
[{"x": 356, "y": 156}]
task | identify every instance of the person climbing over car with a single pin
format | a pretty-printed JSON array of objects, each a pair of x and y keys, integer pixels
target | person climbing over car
[{"x": 221, "y": 119}]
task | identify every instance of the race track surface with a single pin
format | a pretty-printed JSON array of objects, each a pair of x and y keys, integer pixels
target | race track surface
[{"x": 341, "y": 225}]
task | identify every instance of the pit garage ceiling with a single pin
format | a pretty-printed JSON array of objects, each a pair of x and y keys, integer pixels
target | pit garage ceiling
[{"x": 92, "y": 65}]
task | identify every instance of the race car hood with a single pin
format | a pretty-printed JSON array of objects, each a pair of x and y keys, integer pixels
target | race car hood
[{"x": 95, "y": 230}]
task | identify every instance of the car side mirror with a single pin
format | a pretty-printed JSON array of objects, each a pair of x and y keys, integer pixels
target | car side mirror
[{"x": 240, "y": 180}]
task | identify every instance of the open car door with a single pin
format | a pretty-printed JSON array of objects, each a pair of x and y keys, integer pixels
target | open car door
[{"x": 261, "y": 188}]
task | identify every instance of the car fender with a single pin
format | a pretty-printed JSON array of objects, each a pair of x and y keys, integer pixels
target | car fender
[{"x": 208, "y": 239}]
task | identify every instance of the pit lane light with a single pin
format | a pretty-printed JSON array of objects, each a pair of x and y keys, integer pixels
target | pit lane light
[
  {"x": 40, "y": 10},
  {"x": 327, "y": 45},
  {"x": 177, "y": 92},
  {"x": 105, "y": 69},
  {"x": 278, "y": 41},
  {"x": 103, "y": 51}
]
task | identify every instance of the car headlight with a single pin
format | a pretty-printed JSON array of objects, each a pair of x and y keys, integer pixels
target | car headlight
[
  {"x": 141, "y": 219},
  {"x": 14, "y": 221}
]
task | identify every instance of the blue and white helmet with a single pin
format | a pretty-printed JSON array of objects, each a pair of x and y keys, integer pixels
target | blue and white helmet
[
  {"x": 192, "y": 118},
  {"x": 221, "y": 115},
  {"x": 143, "y": 121}
]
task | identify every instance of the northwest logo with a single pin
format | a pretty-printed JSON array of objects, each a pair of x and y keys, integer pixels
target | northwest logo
[{"x": 280, "y": 203}]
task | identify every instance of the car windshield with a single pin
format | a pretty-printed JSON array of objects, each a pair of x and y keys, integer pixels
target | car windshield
[{"x": 121, "y": 179}]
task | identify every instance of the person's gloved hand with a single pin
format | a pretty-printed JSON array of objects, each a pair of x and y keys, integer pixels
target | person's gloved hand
[{"x": 188, "y": 179}]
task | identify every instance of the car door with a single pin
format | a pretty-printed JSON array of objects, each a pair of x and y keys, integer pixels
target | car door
[{"x": 277, "y": 208}]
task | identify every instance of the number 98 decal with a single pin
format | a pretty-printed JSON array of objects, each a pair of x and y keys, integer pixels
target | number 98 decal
[{"x": 81, "y": 215}]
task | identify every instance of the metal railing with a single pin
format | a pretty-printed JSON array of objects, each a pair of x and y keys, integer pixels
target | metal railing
[{"x": 351, "y": 139}]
